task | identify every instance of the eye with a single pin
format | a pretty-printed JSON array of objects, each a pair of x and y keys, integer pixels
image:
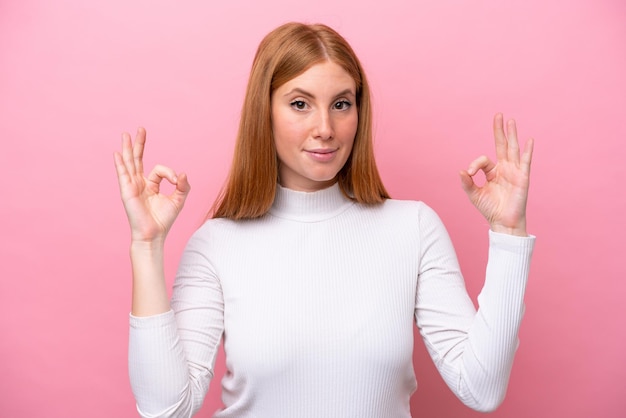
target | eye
[
  {"x": 342, "y": 105},
  {"x": 298, "y": 104}
]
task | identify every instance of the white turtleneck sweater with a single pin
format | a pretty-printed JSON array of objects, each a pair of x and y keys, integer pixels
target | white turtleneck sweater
[{"x": 315, "y": 302}]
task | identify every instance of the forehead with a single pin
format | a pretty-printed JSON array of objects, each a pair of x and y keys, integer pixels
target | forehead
[{"x": 326, "y": 77}]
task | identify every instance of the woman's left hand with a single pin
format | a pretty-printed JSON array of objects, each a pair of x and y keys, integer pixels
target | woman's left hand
[{"x": 502, "y": 199}]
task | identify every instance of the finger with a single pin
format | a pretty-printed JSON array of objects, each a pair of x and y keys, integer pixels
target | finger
[
  {"x": 140, "y": 141},
  {"x": 513, "y": 144},
  {"x": 160, "y": 172},
  {"x": 500, "y": 137},
  {"x": 481, "y": 163},
  {"x": 127, "y": 154},
  {"x": 527, "y": 156},
  {"x": 120, "y": 168}
]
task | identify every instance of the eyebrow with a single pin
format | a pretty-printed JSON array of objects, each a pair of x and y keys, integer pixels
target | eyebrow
[{"x": 310, "y": 95}]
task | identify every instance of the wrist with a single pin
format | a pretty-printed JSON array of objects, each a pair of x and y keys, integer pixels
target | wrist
[
  {"x": 154, "y": 246},
  {"x": 519, "y": 231}
]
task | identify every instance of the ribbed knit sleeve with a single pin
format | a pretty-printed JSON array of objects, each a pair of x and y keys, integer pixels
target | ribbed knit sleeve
[{"x": 473, "y": 350}]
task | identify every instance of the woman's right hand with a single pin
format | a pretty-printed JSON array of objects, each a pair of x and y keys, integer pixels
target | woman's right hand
[{"x": 150, "y": 213}]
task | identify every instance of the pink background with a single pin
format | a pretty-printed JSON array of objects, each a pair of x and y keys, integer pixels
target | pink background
[{"x": 75, "y": 74}]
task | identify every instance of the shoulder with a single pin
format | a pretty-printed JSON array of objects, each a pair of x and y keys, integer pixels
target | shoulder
[
  {"x": 215, "y": 224},
  {"x": 217, "y": 238},
  {"x": 416, "y": 216},
  {"x": 230, "y": 229},
  {"x": 415, "y": 209},
  {"x": 408, "y": 216},
  {"x": 209, "y": 230}
]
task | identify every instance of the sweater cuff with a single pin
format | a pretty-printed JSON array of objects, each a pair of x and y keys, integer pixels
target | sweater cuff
[
  {"x": 512, "y": 243},
  {"x": 162, "y": 320}
]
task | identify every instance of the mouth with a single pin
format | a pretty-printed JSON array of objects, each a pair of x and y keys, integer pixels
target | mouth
[
  {"x": 322, "y": 154},
  {"x": 322, "y": 150}
]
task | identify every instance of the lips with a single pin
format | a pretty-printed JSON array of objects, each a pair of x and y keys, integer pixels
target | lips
[
  {"x": 322, "y": 154},
  {"x": 322, "y": 150}
]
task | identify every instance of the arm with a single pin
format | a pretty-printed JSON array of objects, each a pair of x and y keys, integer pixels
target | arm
[
  {"x": 474, "y": 351},
  {"x": 172, "y": 355},
  {"x": 157, "y": 366}
]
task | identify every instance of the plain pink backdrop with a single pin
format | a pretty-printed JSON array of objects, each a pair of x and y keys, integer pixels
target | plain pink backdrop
[{"x": 75, "y": 74}]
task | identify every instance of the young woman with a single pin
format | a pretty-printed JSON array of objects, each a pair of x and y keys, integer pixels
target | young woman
[{"x": 309, "y": 273}]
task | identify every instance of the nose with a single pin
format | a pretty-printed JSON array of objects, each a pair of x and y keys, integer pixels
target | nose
[{"x": 323, "y": 126}]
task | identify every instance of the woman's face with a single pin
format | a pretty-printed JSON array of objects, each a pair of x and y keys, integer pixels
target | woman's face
[{"x": 314, "y": 121}]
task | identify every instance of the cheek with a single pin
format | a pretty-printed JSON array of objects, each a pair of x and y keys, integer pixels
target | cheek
[
  {"x": 348, "y": 129},
  {"x": 284, "y": 127},
  {"x": 278, "y": 130}
]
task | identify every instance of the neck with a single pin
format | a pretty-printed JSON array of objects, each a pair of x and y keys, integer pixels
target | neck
[{"x": 309, "y": 206}]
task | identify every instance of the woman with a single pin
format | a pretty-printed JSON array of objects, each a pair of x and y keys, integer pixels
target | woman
[{"x": 312, "y": 275}]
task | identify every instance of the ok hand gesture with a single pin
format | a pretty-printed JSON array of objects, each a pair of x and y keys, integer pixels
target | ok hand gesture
[
  {"x": 502, "y": 199},
  {"x": 150, "y": 213}
]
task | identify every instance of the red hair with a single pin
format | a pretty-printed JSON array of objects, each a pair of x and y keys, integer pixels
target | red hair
[{"x": 284, "y": 54}]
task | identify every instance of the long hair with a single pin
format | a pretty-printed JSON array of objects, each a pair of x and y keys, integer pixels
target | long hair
[{"x": 284, "y": 54}]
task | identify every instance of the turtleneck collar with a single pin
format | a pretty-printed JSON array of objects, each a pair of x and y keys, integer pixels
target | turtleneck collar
[{"x": 309, "y": 206}]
